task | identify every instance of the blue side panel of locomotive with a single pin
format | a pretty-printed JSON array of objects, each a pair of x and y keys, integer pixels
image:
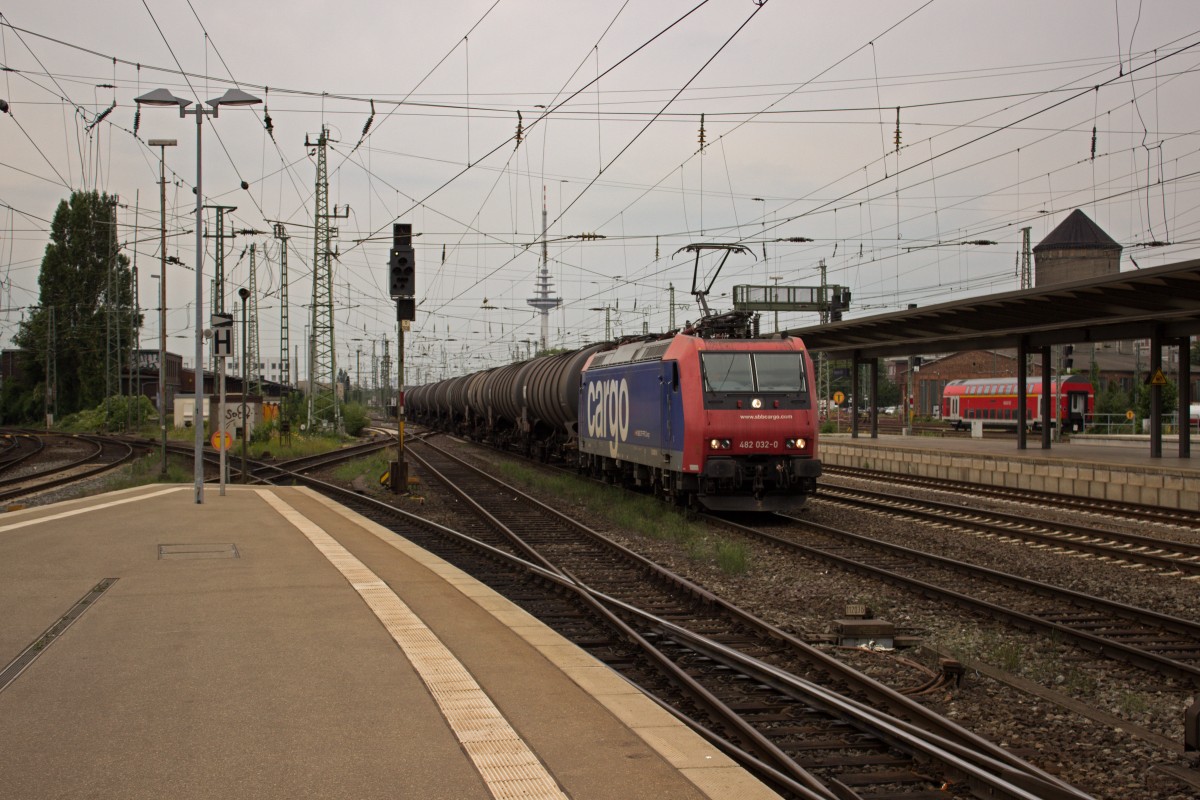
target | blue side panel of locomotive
[{"x": 630, "y": 412}]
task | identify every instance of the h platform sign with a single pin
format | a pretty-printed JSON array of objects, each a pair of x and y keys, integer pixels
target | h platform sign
[{"x": 222, "y": 326}]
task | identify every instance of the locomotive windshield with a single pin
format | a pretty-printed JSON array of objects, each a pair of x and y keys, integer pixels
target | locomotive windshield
[{"x": 754, "y": 372}]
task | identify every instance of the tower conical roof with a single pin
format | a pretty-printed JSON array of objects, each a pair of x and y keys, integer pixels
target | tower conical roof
[{"x": 1078, "y": 232}]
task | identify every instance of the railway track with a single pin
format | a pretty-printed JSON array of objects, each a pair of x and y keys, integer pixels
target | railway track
[
  {"x": 1141, "y": 637},
  {"x": 1137, "y": 636},
  {"x": 1096, "y": 506},
  {"x": 1167, "y": 555},
  {"x": 18, "y": 447},
  {"x": 699, "y": 632},
  {"x": 100, "y": 455}
]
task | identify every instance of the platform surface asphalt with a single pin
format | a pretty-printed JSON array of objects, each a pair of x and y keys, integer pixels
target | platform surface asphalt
[{"x": 271, "y": 644}]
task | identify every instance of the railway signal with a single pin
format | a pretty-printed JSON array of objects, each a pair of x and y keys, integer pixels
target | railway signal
[
  {"x": 402, "y": 285},
  {"x": 402, "y": 268}
]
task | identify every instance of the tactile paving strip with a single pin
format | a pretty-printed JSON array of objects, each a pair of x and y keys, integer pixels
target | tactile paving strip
[{"x": 505, "y": 762}]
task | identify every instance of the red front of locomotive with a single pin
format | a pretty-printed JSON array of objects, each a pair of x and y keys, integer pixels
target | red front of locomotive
[{"x": 750, "y": 422}]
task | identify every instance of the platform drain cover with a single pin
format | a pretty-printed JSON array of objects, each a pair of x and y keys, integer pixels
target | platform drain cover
[{"x": 180, "y": 551}]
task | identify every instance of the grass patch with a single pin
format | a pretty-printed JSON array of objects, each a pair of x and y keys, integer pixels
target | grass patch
[
  {"x": 732, "y": 557},
  {"x": 1007, "y": 656},
  {"x": 644, "y": 515},
  {"x": 299, "y": 447},
  {"x": 1132, "y": 704},
  {"x": 369, "y": 467},
  {"x": 147, "y": 470}
]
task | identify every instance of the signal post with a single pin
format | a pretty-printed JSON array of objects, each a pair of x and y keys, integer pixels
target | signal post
[
  {"x": 402, "y": 286},
  {"x": 222, "y": 328}
]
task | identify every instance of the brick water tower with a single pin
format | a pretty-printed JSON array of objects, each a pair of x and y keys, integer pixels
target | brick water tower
[{"x": 1076, "y": 250}]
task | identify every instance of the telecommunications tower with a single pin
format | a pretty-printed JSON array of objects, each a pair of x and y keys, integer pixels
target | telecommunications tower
[{"x": 544, "y": 302}]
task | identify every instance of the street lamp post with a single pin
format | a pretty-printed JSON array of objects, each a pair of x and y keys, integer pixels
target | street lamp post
[
  {"x": 232, "y": 97},
  {"x": 162, "y": 145}
]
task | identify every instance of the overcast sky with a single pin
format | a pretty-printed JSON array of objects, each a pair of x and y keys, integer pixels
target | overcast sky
[{"x": 997, "y": 106}]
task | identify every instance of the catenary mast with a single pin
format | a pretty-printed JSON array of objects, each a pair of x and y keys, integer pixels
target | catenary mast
[{"x": 324, "y": 409}]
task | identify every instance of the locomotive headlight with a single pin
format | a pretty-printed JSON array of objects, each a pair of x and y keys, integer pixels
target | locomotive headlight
[
  {"x": 756, "y": 403},
  {"x": 796, "y": 444},
  {"x": 719, "y": 444}
]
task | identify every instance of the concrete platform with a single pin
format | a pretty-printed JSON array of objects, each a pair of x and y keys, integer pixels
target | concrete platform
[
  {"x": 1084, "y": 468},
  {"x": 272, "y": 644}
]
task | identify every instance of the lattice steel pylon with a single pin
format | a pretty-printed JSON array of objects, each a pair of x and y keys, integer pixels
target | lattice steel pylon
[
  {"x": 252, "y": 368},
  {"x": 285, "y": 364},
  {"x": 386, "y": 378},
  {"x": 324, "y": 408}
]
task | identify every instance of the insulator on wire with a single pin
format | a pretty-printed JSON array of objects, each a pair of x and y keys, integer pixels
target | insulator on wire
[
  {"x": 369, "y": 122},
  {"x": 702, "y": 143},
  {"x": 1093, "y": 143},
  {"x": 520, "y": 129},
  {"x": 137, "y": 120}
]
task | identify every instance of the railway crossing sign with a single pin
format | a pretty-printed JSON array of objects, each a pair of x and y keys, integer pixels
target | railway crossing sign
[{"x": 222, "y": 325}]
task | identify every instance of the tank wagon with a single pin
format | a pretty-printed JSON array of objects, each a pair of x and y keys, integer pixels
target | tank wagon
[
  {"x": 994, "y": 402},
  {"x": 530, "y": 406},
  {"x": 724, "y": 422}
]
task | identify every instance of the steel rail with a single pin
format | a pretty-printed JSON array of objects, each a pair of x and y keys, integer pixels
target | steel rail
[
  {"x": 41, "y": 481},
  {"x": 760, "y": 743},
  {"x": 860, "y": 682},
  {"x": 1059, "y": 534},
  {"x": 16, "y": 437},
  {"x": 1098, "y": 644},
  {"x": 1087, "y": 504}
]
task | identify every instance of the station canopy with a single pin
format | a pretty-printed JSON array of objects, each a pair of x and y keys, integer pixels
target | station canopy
[{"x": 1135, "y": 304}]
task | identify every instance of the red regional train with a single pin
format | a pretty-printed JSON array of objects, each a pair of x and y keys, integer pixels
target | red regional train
[{"x": 994, "y": 401}]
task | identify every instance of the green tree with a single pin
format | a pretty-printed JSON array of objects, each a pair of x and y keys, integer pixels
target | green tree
[
  {"x": 354, "y": 418},
  {"x": 86, "y": 301},
  {"x": 1170, "y": 399},
  {"x": 889, "y": 392},
  {"x": 1113, "y": 400}
]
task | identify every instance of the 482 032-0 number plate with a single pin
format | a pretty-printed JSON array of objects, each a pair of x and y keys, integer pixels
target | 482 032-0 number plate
[{"x": 758, "y": 445}]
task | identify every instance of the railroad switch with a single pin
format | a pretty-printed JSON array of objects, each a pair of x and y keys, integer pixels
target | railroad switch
[
  {"x": 952, "y": 670},
  {"x": 859, "y": 632}
]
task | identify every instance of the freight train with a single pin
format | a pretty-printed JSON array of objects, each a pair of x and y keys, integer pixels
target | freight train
[
  {"x": 994, "y": 402},
  {"x": 708, "y": 416}
]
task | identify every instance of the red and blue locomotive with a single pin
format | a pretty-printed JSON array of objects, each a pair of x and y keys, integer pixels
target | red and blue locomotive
[
  {"x": 728, "y": 423},
  {"x": 706, "y": 416}
]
